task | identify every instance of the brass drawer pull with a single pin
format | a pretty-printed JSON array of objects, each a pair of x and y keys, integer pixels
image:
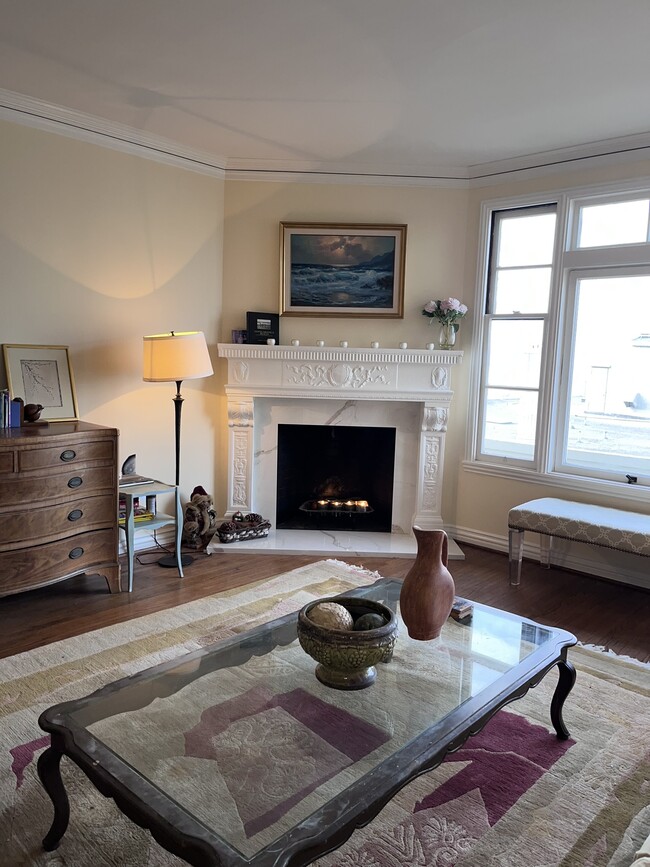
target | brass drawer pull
[
  {"x": 75, "y": 482},
  {"x": 68, "y": 455},
  {"x": 75, "y": 553},
  {"x": 75, "y": 514}
]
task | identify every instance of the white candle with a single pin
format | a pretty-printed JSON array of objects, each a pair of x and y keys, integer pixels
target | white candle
[
  {"x": 295, "y": 343},
  {"x": 374, "y": 344},
  {"x": 430, "y": 346},
  {"x": 270, "y": 341},
  {"x": 320, "y": 343},
  {"x": 343, "y": 344},
  {"x": 403, "y": 346}
]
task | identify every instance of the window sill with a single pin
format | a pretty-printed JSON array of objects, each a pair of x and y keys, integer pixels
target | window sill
[{"x": 579, "y": 484}]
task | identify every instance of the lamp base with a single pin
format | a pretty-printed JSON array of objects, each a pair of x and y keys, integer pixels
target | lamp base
[{"x": 170, "y": 562}]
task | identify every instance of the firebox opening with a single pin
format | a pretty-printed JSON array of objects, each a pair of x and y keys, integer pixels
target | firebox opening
[{"x": 335, "y": 478}]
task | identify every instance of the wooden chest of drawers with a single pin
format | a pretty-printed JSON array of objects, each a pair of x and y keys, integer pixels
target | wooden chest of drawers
[{"x": 58, "y": 504}]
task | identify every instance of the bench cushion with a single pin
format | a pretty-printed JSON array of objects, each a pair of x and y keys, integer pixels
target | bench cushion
[{"x": 581, "y": 522}]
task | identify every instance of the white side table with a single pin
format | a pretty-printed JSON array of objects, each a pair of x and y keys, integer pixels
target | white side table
[{"x": 130, "y": 493}]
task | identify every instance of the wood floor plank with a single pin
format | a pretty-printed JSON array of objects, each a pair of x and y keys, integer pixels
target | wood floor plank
[{"x": 596, "y": 611}]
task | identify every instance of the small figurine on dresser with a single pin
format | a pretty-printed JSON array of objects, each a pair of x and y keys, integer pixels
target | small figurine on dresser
[
  {"x": 32, "y": 411},
  {"x": 200, "y": 522}
]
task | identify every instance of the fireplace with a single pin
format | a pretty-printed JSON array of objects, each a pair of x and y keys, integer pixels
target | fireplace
[
  {"x": 273, "y": 387},
  {"x": 335, "y": 478}
]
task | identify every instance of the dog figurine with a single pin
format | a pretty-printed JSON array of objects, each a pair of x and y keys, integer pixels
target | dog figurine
[{"x": 200, "y": 519}]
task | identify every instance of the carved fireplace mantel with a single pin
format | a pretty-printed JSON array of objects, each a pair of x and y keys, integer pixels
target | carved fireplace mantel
[{"x": 343, "y": 374}]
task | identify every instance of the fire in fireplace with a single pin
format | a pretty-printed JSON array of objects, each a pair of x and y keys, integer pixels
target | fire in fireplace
[{"x": 335, "y": 477}]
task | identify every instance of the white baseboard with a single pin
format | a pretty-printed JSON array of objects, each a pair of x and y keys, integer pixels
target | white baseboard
[{"x": 601, "y": 562}]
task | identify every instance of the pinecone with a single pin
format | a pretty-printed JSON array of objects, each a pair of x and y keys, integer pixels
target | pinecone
[
  {"x": 254, "y": 518},
  {"x": 228, "y": 527}
]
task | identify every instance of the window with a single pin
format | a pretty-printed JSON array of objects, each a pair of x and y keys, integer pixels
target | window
[
  {"x": 517, "y": 306},
  {"x": 563, "y": 380}
]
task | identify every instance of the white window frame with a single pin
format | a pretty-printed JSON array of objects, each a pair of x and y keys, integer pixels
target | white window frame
[{"x": 545, "y": 469}]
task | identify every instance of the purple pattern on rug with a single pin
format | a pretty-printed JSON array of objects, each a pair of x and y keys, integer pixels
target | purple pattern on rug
[
  {"x": 352, "y": 736},
  {"x": 23, "y": 754},
  {"x": 296, "y": 743},
  {"x": 505, "y": 760}
]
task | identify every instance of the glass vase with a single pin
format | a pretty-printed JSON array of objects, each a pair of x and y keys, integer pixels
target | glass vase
[{"x": 447, "y": 336}]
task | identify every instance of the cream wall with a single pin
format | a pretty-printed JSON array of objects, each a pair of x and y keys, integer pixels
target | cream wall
[
  {"x": 435, "y": 268},
  {"x": 97, "y": 249}
]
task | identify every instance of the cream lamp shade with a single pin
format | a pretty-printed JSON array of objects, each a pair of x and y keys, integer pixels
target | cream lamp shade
[{"x": 175, "y": 356}]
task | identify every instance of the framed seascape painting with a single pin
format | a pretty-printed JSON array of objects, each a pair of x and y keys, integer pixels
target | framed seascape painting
[
  {"x": 42, "y": 375},
  {"x": 342, "y": 269}
]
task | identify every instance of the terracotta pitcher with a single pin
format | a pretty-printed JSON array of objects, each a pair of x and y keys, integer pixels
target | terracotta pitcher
[{"x": 428, "y": 590}]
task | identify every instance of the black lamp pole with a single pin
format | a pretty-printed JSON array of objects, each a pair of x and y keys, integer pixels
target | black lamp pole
[
  {"x": 178, "y": 406},
  {"x": 170, "y": 560}
]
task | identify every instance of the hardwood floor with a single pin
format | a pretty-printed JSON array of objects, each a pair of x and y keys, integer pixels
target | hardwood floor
[{"x": 596, "y": 611}]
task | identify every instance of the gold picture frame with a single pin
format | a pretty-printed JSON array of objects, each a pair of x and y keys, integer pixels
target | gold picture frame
[
  {"x": 342, "y": 269},
  {"x": 42, "y": 375}
]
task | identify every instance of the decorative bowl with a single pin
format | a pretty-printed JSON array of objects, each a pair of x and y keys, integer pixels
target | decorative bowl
[{"x": 346, "y": 658}]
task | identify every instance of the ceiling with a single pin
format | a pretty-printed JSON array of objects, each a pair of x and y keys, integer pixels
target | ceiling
[{"x": 425, "y": 88}]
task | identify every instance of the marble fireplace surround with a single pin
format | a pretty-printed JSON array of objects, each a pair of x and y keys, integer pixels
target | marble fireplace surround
[{"x": 409, "y": 389}]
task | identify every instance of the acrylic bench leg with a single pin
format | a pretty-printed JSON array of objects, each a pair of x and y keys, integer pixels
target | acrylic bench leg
[
  {"x": 545, "y": 547},
  {"x": 515, "y": 555}
]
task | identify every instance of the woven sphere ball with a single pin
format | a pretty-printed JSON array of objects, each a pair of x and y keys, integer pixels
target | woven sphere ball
[
  {"x": 369, "y": 621},
  {"x": 331, "y": 615}
]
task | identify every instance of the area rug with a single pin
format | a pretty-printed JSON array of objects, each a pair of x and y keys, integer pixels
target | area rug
[{"x": 513, "y": 795}]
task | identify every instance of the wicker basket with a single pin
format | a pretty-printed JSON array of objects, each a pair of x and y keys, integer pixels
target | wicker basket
[{"x": 241, "y": 528}]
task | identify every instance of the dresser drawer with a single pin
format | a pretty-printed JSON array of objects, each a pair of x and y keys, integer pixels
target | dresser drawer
[
  {"x": 44, "y": 564},
  {"x": 6, "y": 462},
  {"x": 57, "y": 486},
  {"x": 71, "y": 454},
  {"x": 34, "y": 525}
]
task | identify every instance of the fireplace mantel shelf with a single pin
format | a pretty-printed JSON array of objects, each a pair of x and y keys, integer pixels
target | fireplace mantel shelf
[
  {"x": 358, "y": 373},
  {"x": 337, "y": 353}
]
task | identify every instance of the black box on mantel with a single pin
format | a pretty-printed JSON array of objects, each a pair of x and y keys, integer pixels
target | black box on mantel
[{"x": 262, "y": 327}]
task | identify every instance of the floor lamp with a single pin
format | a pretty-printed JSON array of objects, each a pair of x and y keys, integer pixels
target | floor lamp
[{"x": 173, "y": 357}]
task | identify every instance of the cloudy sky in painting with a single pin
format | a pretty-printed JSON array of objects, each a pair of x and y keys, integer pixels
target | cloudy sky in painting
[{"x": 338, "y": 249}]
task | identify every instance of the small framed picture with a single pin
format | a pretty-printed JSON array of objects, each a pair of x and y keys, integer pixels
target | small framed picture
[
  {"x": 42, "y": 375},
  {"x": 239, "y": 335},
  {"x": 345, "y": 269},
  {"x": 263, "y": 327}
]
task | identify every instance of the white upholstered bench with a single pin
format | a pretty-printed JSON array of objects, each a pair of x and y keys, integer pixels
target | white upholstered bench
[{"x": 579, "y": 522}]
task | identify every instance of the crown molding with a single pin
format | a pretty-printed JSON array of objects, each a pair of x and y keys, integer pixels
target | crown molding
[
  {"x": 37, "y": 113},
  {"x": 26, "y": 110}
]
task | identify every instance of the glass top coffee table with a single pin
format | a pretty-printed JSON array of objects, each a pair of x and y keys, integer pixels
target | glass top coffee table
[{"x": 237, "y": 755}]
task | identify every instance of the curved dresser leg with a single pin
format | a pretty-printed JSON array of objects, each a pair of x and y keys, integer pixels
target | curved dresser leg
[
  {"x": 564, "y": 686},
  {"x": 50, "y": 776}
]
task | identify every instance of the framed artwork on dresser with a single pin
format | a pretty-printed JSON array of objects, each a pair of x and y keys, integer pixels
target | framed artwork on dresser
[{"x": 42, "y": 375}]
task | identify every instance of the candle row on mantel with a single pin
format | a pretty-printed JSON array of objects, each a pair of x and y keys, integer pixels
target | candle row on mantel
[{"x": 344, "y": 344}]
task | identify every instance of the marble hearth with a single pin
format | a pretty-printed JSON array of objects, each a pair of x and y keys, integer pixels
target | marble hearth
[{"x": 408, "y": 389}]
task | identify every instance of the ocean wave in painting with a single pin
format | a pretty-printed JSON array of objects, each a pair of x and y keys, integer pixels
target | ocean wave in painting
[{"x": 340, "y": 286}]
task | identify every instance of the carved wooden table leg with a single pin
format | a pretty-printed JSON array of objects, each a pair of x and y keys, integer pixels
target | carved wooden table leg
[
  {"x": 50, "y": 776},
  {"x": 564, "y": 686}
]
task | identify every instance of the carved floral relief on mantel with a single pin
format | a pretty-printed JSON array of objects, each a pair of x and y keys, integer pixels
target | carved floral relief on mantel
[{"x": 339, "y": 375}]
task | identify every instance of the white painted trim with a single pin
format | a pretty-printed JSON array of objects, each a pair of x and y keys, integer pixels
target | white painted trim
[
  {"x": 638, "y": 494},
  {"x": 23, "y": 109}
]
